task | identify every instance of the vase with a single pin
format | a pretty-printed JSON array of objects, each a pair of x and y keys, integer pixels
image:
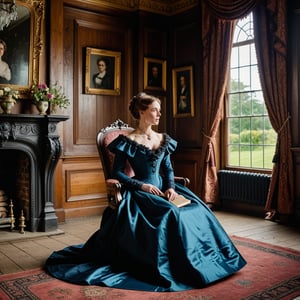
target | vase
[
  {"x": 53, "y": 108},
  {"x": 7, "y": 103},
  {"x": 42, "y": 107}
]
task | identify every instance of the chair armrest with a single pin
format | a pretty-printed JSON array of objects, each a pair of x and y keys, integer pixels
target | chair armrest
[
  {"x": 114, "y": 196},
  {"x": 182, "y": 180}
]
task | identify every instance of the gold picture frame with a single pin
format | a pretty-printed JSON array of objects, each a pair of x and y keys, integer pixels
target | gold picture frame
[
  {"x": 155, "y": 74},
  {"x": 183, "y": 92},
  {"x": 96, "y": 61},
  {"x": 24, "y": 39}
]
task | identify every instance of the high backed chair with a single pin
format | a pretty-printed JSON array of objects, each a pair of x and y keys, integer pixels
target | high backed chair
[{"x": 104, "y": 137}]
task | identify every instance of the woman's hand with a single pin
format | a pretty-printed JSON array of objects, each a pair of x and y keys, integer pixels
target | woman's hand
[
  {"x": 152, "y": 189},
  {"x": 170, "y": 194}
]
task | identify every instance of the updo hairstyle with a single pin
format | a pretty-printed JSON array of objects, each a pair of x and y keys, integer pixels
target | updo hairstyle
[{"x": 140, "y": 102}]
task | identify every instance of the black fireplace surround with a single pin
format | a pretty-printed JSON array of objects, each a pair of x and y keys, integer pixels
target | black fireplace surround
[{"x": 37, "y": 137}]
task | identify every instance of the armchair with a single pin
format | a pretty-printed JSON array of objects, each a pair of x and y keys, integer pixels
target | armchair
[{"x": 104, "y": 137}]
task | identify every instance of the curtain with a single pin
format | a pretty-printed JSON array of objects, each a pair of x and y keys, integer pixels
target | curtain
[
  {"x": 271, "y": 38},
  {"x": 218, "y": 20},
  {"x": 217, "y": 40},
  {"x": 230, "y": 10},
  {"x": 218, "y": 23}
]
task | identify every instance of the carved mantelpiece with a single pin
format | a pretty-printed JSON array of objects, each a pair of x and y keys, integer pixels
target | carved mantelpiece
[{"x": 38, "y": 138}]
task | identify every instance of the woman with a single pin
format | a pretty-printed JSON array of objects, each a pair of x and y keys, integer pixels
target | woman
[
  {"x": 148, "y": 243},
  {"x": 102, "y": 80},
  {"x": 5, "y": 74}
]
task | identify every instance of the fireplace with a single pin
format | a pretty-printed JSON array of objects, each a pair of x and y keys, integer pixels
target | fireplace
[{"x": 29, "y": 152}]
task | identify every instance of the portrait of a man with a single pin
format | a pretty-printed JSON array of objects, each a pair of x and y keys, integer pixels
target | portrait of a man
[
  {"x": 183, "y": 94},
  {"x": 155, "y": 75}
]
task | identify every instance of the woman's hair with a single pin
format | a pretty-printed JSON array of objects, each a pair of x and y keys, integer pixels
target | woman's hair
[
  {"x": 103, "y": 60},
  {"x": 4, "y": 44},
  {"x": 140, "y": 102}
]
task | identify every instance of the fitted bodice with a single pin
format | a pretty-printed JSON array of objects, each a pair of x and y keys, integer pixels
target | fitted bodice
[{"x": 148, "y": 165}]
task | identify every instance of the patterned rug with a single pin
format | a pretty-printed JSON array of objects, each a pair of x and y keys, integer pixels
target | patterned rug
[{"x": 271, "y": 273}]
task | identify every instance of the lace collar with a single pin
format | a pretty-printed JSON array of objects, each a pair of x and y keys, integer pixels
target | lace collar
[{"x": 168, "y": 144}]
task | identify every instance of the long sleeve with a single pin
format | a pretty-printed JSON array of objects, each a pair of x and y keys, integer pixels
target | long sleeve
[
  {"x": 118, "y": 172},
  {"x": 167, "y": 172}
]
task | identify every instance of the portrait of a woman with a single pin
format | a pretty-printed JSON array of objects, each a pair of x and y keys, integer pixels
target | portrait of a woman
[{"x": 5, "y": 73}]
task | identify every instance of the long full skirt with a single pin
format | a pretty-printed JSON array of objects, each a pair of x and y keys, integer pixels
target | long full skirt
[{"x": 150, "y": 244}]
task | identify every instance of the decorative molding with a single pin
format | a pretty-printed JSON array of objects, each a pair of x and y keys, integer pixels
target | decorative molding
[
  {"x": 167, "y": 7},
  {"x": 164, "y": 7}
]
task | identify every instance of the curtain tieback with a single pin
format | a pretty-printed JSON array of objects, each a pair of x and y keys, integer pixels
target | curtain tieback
[
  {"x": 210, "y": 138},
  {"x": 284, "y": 123},
  {"x": 276, "y": 156}
]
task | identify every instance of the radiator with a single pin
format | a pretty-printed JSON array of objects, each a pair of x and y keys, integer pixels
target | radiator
[{"x": 246, "y": 187}]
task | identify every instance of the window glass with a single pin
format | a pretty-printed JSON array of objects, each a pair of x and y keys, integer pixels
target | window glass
[{"x": 251, "y": 138}]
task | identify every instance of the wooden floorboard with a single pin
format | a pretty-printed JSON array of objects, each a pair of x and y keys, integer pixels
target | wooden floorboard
[{"x": 30, "y": 250}]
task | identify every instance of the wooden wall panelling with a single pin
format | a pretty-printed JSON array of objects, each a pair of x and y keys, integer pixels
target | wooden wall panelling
[
  {"x": 84, "y": 187},
  {"x": 296, "y": 158},
  {"x": 186, "y": 163},
  {"x": 152, "y": 43},
  {"x": 294, "y": 94},
  {"x": 79, "y": 182},
  {"x": 294, "y": 71},
  {"x": 102, "y": 32},
  {"x": 79, "y": 188},
  {"x": 186, "y": 52}
]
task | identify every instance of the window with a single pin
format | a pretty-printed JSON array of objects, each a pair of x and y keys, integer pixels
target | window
[{"x": 250, "y": 137}]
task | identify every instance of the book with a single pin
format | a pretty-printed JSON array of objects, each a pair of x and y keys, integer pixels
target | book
[{"x": 181, "y": 201}]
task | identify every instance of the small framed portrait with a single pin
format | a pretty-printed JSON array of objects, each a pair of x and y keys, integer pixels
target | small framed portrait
[
  {"x": 183, "y": 92},
  {"x": 155, "y": 74},
  {"x": 102, "y": 75}
]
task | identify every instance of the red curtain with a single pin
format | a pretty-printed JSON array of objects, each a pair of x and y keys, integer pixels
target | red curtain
[
  {"x": 271, "y": 40},
  {"x": 230, "y": 10},
  {"x": 218, "y": 21},
  {"x": 217, "y": 40}
]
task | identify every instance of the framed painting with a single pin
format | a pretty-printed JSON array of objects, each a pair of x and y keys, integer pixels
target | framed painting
[
  {"x": 21, "y": 44},
  {"x": 154, "y": 74},
  {"x": 183, "y": 92},
  {"x": 102, "y": 72}
]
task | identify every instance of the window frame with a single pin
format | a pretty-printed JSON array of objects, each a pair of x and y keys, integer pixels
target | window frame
[{"x": 225, "y": 152}]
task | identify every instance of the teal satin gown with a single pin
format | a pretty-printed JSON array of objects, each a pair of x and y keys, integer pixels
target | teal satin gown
[{"x": 148, "y": 243}]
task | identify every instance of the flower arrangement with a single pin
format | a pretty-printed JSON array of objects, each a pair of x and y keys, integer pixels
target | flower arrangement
[
  {"x": 40, "y": 92},
  {"x": 8, "y": 92},
  {"x": 59, "y": 98},
  {"x": 52, "y": 94}
]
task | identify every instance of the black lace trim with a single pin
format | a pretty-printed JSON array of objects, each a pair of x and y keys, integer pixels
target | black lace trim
[{"x": 152, "y": 153}]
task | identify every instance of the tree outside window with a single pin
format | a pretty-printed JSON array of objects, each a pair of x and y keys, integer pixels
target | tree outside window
[{"x": 250, "y": 137}]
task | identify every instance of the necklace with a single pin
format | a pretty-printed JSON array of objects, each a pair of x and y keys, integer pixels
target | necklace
[{"x": 149, "y": 135}]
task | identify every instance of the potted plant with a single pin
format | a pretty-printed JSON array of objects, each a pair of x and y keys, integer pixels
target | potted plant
[
  {"x": 59, "y": 98},
  {"x": 8, "y": 97},
  {"x": 43, "y": 95}
]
